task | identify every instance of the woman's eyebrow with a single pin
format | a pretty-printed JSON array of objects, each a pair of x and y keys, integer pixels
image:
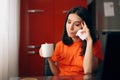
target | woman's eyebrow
[{"x": 78, "y": 21}]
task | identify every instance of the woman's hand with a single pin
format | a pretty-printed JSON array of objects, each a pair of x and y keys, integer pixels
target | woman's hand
[
  {"x": 40, "y": 53},
  {"x": 86, "y": 31}
]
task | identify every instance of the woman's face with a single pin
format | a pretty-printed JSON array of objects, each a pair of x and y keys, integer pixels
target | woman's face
[{"x": 73, "y": 24}]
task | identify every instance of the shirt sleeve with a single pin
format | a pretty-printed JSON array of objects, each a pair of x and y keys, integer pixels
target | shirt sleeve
[{"x": 56, "y": 52}]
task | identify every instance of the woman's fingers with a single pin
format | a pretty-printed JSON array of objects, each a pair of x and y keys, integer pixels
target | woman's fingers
[
  {"x": 86, "y": 30},
  {"x": 84, "y": 26},
  {"x": 40, "y": 52}
]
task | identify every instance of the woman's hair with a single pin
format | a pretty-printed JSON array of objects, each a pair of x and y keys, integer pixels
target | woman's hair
[{"x": 84, "y": 14}]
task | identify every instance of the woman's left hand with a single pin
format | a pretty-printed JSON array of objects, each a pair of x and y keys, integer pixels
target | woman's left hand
[{"x": 86, "y": 31}]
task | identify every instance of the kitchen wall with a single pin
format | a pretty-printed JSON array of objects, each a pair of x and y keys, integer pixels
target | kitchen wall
[{"x": 107, "y": 18}]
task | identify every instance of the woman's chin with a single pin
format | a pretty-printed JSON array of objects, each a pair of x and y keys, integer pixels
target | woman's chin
[{"x": 74, "y": 36}]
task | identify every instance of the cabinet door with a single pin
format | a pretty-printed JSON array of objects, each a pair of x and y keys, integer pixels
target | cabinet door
[
  {"x": 39, "y": 30},
  {"x": 61, "y": 8}
]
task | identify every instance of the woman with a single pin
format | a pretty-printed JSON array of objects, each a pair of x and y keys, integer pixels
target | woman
[{"x": 72, "y": 55}]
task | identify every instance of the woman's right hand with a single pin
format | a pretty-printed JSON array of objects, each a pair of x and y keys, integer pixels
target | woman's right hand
[{"x": 40, "y": 52}]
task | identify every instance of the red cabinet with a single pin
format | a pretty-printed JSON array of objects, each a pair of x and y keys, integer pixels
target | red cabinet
[
  {"x": 60, "y": 10},
  {"x": 41, "y": 21}
]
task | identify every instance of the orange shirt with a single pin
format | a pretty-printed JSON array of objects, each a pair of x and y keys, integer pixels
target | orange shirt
[{"x": 68, "y": 57}]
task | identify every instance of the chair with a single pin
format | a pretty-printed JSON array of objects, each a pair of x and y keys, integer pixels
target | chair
[
  {"x": 47, "y": 70},
  {"x": 111, "y": 67}
]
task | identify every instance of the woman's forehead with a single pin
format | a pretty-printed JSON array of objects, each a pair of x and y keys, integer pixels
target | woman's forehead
[{"x": 74, "y": 17}]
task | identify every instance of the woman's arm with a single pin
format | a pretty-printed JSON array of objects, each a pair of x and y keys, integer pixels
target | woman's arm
[
  {"x": 90, "y": 62},
  {"x": 53, "y": 67}
]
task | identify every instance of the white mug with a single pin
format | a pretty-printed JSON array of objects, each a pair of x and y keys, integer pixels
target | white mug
[{"x": 47, "y": 49}]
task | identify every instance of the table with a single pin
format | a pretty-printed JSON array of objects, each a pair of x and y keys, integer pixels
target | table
[{"x": 78, "y": 77}]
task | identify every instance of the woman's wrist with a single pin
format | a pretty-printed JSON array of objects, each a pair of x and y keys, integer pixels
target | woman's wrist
[
  {"x": 89, "y": 40},
  {"x": 49, "y": 59}
]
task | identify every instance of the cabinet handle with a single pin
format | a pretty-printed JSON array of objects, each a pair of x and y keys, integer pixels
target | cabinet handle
[
  {"x": 32, "y": 49},
  {"x": 32, "y": 52},
  {"x": 33, "y": 46},
  {"x": 35, "y": 11},
  {"x": 65, "y": 11}
]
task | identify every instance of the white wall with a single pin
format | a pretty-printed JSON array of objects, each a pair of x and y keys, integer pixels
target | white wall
[{"x": 9, "y": 38}]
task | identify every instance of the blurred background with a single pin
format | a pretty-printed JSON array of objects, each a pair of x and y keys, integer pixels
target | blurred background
[{"x": 26, "y": 24}]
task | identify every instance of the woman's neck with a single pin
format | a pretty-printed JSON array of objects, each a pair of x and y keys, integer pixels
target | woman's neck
[{"x": 75, "y": 39}]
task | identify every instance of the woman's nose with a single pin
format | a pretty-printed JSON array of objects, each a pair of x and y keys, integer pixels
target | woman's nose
[{"x": 71, "y": 26}]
